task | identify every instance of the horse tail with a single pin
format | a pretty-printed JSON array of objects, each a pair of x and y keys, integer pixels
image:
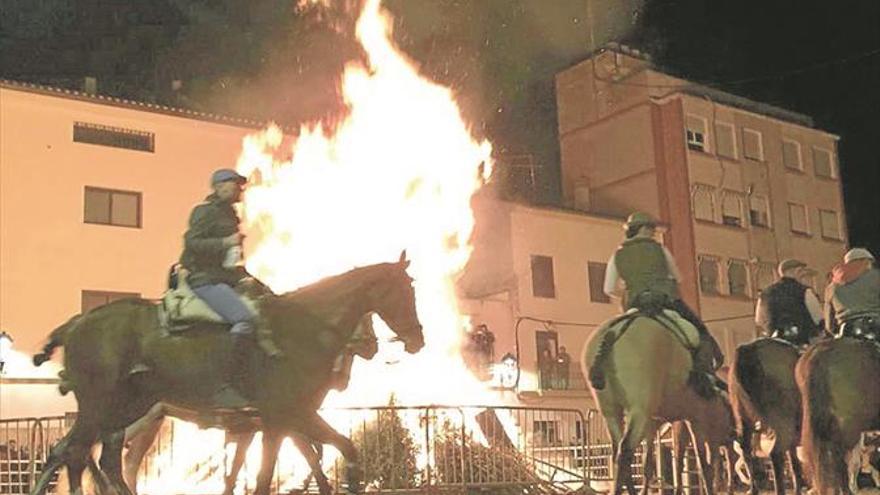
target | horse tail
[
  {"x": 56, "y": 339},
  {"x": 820, "y": 432},
  {"x": 746, "y": 369}
]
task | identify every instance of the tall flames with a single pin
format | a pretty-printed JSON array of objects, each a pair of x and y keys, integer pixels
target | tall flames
[{"x": 397, "y": 173}]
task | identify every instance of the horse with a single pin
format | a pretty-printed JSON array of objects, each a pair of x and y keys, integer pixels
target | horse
[
  {"x": 719, "y": 434},
  {"x": 141, "y": 434},
  {"x": 645, "y": 367},
  {"x": 311, "y": 326},
  {"x": 763, "y": 389},
  {"x": 839, "y": 381}
]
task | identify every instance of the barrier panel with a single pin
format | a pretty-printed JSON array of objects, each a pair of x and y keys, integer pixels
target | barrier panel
[
  {"x": 24, "y": 445},
  {"x": 403, "y": 449}
]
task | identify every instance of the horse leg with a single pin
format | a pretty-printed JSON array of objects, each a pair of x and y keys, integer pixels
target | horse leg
[
  {"x": 323, "y": 433},
  {"x": 271, "y": 443},
  {"x": 312, "y": 454},
  {"x": 634, "y": 432},
  {"x": 648, "y": 460},
  {"x": 748, "y": 453},
  {"x": 777, "y": 459},
  {"x": 54, "y": 461},
  {"x": 111, "y": 460},
  {"x": 140, "y": 436},
  {"x": 615, "y": 424},
  {"x": 797, "y": 470},
  {"x": 242, "y": 442}
]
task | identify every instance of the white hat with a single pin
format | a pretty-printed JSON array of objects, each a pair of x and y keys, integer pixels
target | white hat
[{"x": 857, "y": 254}]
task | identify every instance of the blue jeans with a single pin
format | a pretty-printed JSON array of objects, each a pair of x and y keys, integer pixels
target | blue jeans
[{"x": 226, "y": 302}]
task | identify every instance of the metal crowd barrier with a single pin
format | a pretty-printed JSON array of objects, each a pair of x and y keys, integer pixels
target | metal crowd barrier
[
  {"x": 24, "y": 445},
  {"x": 404, "y": 449}
]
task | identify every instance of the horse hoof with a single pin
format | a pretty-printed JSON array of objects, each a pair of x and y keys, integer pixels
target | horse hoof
[{"x": 353, "y": 479}]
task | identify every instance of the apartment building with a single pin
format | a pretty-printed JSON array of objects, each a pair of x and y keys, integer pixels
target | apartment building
[
  {"x": 95, "y": 194},
  {"x": 740, "y": 184}
]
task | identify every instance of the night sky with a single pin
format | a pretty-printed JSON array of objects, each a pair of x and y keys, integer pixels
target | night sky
[{"x": 265, "y": 59}]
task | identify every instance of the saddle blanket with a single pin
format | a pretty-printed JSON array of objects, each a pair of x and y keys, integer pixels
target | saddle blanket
[
  {"x": 182, "y": 307},
  {"x": 674, "y": 322}
]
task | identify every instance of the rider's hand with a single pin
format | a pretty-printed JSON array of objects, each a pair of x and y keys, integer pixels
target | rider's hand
[{"x": 233, "y": 240}]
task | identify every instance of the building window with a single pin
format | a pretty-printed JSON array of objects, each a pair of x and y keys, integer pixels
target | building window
[
  {"x": 725, "y": 140},
  {"x": 543, "y": 284},
  {"x": 115, "y": 137},
  {"x": 91, "y": 299},
  {"x": 797, "y": 217},
  {"x": 759, "y": 211},
  {"x": 596, "y": 274},
  {"x": 703, "y": 203},
  {"x": 766, "y": 275},
  {"x": 546, "y": 433},
  {"x": 830, "y": 222},
  {"x": 791, "y": 155},
  {"x": 731, "y": 209},
  {"x": 753, "y": 147},
  {"x": 823, "y": 163},
  {"x": 111, "y": 207},
  {"x": 737, "y": 278},
  {"x": 696, "y": 133},
  {"x": 708, "y": 267}
]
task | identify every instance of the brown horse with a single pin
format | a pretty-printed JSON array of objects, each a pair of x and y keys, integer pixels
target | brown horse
[
  {"x": 141, "y": 435},
  {"x": 646, "y": 382},
  {"x": 840, "y": 384},
  {"x": 311, "y": 325},
  {"x": 763, "y": 389}
]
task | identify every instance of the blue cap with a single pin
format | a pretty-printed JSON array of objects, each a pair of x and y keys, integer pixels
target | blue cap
[{"x": 226, "y": 174}]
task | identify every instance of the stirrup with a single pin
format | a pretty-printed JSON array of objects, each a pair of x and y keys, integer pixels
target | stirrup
[{"x": 267, "y": 345}]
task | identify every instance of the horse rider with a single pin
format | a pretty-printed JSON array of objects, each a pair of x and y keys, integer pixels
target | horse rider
[
  {"x": 212, "y": 255},
  {"x": 643, "y": 274},
  {"x": 852, "y": 299},
  {"x": 788, "y": 309}
]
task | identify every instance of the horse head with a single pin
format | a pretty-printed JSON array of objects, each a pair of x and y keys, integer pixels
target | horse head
[{"x": 394, "y": 300}]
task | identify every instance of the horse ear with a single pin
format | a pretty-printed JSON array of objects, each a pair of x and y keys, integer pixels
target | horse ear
[{"x": 403, "y": 260}]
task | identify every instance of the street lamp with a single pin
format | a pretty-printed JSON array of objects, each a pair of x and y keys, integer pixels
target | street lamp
[{"x": 5, "y": 349}]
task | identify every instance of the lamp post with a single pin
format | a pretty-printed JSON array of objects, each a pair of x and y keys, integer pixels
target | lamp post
[{"x": 5, "y": 349}]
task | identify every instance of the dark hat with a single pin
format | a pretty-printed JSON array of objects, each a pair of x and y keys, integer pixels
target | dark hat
[{"x": 226, "y": 174}]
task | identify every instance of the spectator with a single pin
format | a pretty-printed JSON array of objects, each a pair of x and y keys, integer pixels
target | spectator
[
  {"x": 546, "y": 365},
  {"x": 563, "y": 364}
]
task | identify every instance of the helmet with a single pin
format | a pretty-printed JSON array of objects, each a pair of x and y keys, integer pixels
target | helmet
[
  {"x": 226, "y": 174},
  {"x": 639, "y": 219},
  {"x": 857, "y": 254},
  {"x": 788, "y": 264}
]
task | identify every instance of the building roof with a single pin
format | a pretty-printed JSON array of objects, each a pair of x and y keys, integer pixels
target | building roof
[
  {"x": 130, "y": 104},
  {"x": 702, "y": 90}
]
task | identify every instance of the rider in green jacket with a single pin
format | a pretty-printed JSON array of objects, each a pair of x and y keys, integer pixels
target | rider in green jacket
[{"x": 643, "y": 274}]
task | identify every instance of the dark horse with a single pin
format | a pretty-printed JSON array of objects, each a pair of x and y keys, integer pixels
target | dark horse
[
  {"x": 310, "y": 325},
  {"x": 763, "y": 389},
  {"x": 646, "y": 375},
  {"x": 839, "y": 381},
  {"x": 141, "y": 435}
]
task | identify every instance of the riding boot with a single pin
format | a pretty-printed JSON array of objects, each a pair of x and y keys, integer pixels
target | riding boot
[
  {"x": 229, "y": 395},
  {"x": 265, "y": 341},
  {"x": 703, "y": 377}
]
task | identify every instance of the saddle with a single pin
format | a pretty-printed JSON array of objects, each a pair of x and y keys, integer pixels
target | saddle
[
  {"x": 181, "y": 308},
  {"x": 685, "y": 332}
]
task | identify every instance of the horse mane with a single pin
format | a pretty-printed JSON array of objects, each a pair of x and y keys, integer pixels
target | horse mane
[{"x": 352, "y": 281}]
